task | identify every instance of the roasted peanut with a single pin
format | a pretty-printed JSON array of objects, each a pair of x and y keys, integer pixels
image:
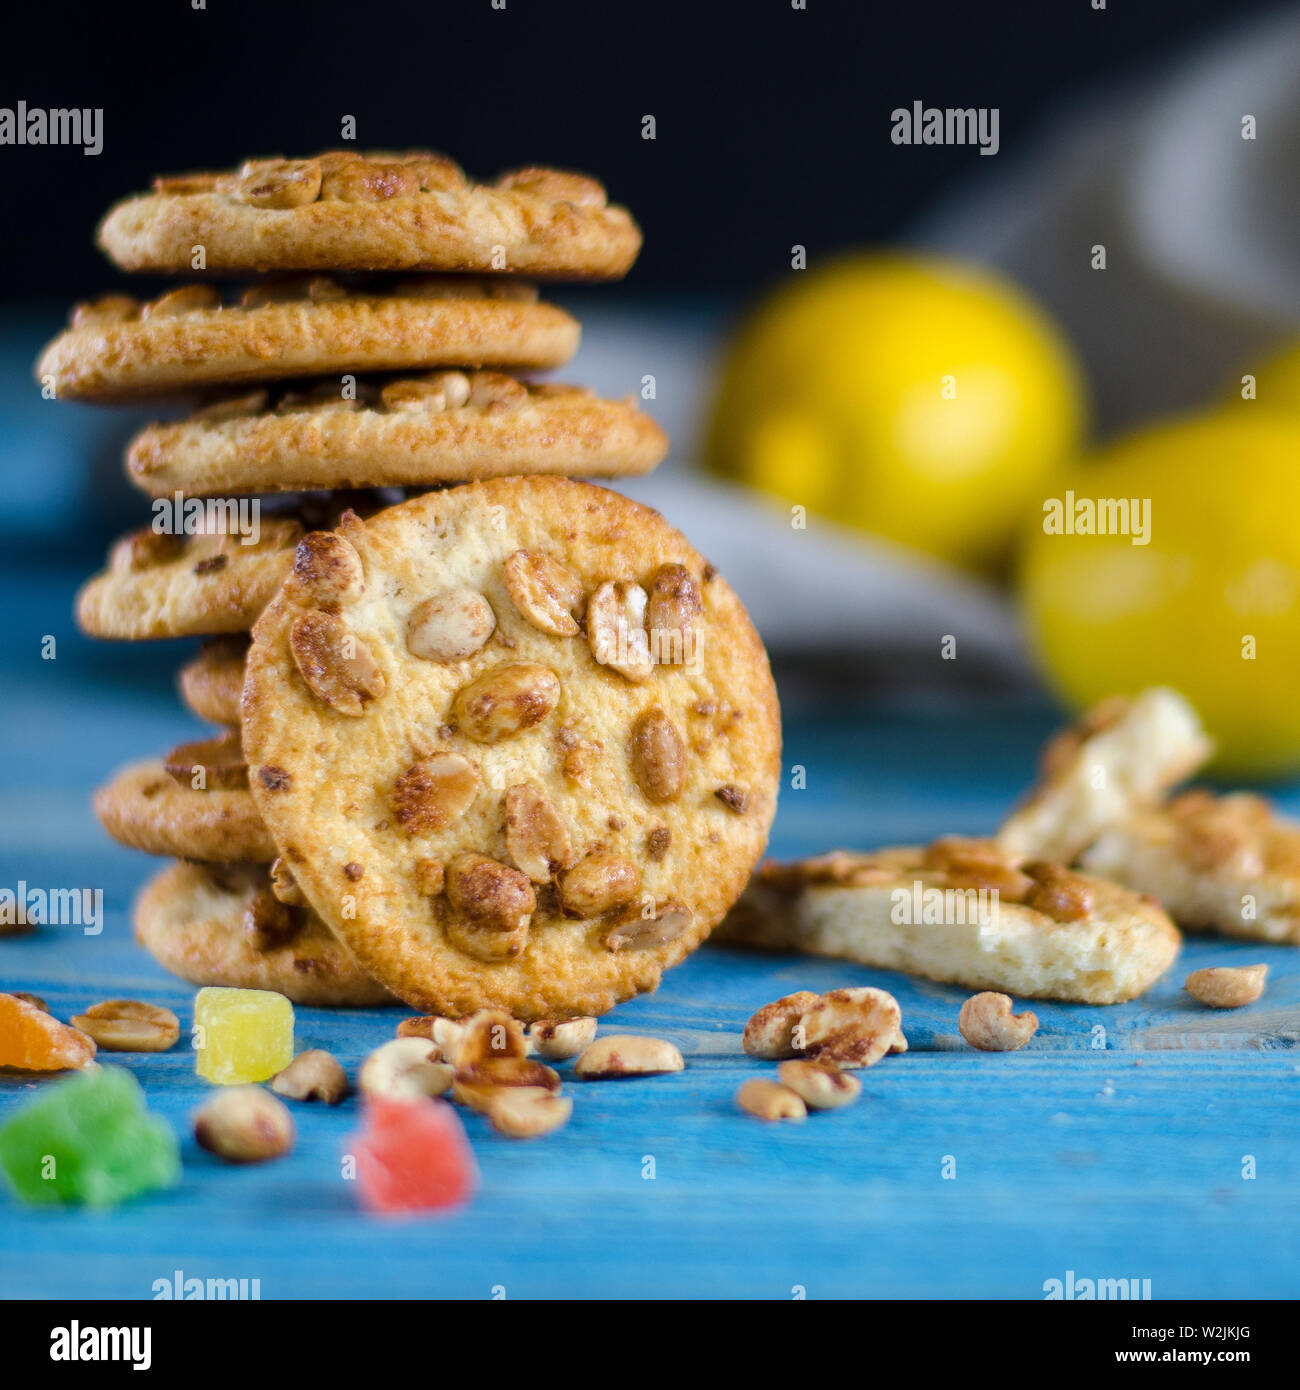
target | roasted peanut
[
  {"x": 1221, "y": 987},
  {"x": 598, "y": 883},
  {"x": 327, "y": 572},
  {"x": 820, "y": 1088},
  {"x": 986, "y": 1022},
  {"x": 433, "y": 793},
  {"x": 450, "y": 626},
  {"x": 336, "y": 665},
  {"x": 405, "y": 1067},
  {"x": 128, "y": 1025},
  {"x": 278, "y": 183},
  {"x": 771, "y": 1032},
  {"x": 616, "y": 630},
  {"x": 244, "y": 1124},
  {"x": 544, "y": 592},
  {"x": 617, "y": 1055},
  {"x": 770, "y": 1101},
  {"x": 850, "y": 1028},
  {"x": 536, "y": 836},
  {"x": 505, "y": 700},
  {"x": 312, "y": 1075},
  {"x": 635, "y": 930},
  {"x": 559, "y": 1038},
  {"x": 657, "y": 755},
  {"x": 525, "y": 1112}
]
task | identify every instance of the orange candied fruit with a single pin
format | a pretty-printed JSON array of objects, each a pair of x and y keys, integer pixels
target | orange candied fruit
[{"x": 32, "y": 1040}]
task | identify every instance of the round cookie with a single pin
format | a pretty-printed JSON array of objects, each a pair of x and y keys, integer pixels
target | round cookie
[
  {"x": 167, "y": 585},
  {"x": 146, "y": 808},
  {"x": 484, "y": 781},
  {"x": 345, "y": 210},
  {"x": 206, "y": 582},
  {"x": 445, "y": 427},
  {"x": 222, "y": 926},
  {"x": 120, "y": 350},
  {"x": 211, "y": 683}
]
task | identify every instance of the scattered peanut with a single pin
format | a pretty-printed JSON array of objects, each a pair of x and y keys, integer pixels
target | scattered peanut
[
  {"x": 244, "y": 1124},
  {"x": 559, "y": 1038},
  {"x": 769, "y": 1100},
  {"x": 850, "y": 1028},
  {"x": 313, "y": 1075},
  {"x": 1220, "y": 987},
  {"x": 617, "y": 1055},
  {"x": 820, "y": 1088},
  {"x": 770, "y": 1032},
  {"x": 127, "y": 1025},
  {"x": 524, "y": 1112},
  {"x": 405, "y": 1067},
  {"x": 478, "y": 1087},
  {"x": 986, "y": 1022},
  {"x": 488, "y": 1035}
]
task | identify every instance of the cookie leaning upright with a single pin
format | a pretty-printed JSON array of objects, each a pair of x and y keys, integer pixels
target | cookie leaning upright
[
  {"x": 481, "y": 777},
  {"x": 345, "y": 210}
]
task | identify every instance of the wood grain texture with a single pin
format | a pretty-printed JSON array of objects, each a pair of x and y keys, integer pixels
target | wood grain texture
[{"x": 1117, "y": 1153}]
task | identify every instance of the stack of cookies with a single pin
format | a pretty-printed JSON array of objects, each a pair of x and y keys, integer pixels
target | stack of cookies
[{"x": 507, "y": 743}]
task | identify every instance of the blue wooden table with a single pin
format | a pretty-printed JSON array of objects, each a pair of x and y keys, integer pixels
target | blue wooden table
[{"x": 1118, "y": 1145}]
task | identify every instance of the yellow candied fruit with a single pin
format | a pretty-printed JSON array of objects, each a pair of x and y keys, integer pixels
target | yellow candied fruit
[{"x": 241, "y": 1035}]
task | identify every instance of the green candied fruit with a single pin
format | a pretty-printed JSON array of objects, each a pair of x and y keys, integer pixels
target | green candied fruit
[{"x": 88, "y": 1140}]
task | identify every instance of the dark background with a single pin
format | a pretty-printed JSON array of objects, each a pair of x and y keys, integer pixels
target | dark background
[{"x": 773, "y": 124}]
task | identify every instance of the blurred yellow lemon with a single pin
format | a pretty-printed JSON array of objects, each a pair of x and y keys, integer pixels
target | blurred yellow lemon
[
  {"x": 1276, "y": 383},
  {"x": 1209, "y": 604},
  {"x": 915, "y": 398}
]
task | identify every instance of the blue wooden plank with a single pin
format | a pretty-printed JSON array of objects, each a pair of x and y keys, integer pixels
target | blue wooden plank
[{"x": 1126, "y": 1160}]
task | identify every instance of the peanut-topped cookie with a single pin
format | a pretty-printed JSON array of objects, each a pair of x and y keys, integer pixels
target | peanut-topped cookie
[
  {"x": 965, "y": 912},
  {"x": 1122, "y": 755},
  {"x": 1228, "y": 864},
  {"x": 348, "y": 210},
  {"x": 211, "y": 683},
  {"x": 118, "y": 349},
  {"x": 212, "y": 577},
  {"x": 517, "y": 741},
  {"x": 161, "y": 584},
  {"x": 446, "y": 426},
  {"x": 223, "y": 924},
  {"x": 161, "y": 807}
]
